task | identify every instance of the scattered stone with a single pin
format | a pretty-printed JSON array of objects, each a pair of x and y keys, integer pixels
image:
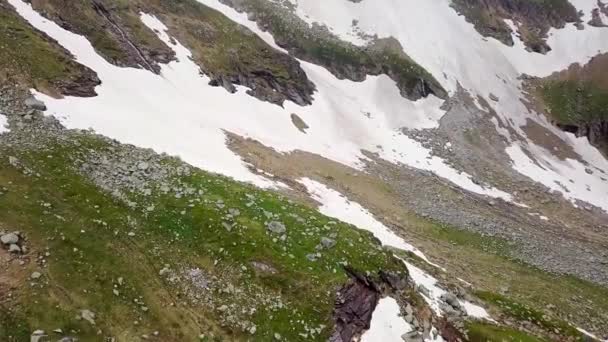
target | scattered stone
[
  {"x": 276, "y": 227},
  {"x": 9, "y": 239},
  {"x": 38, "y": 336},
  {"x": 33, "y": 103},
  {"x": 88, "y": 316},
  {"x": 36, "y": 275},
  {"x": 143, "y": 166},
  {"x": 14, "y": 248},
  {"x": 327, "y": 243}
]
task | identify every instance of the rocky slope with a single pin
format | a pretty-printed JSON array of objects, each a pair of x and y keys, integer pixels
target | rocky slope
[{"x": 376, "y": 171}]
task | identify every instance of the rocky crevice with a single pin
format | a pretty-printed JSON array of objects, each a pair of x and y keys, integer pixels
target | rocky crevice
[
  {"x": 137, "y": 53},
  {"x": 114, "y": 31},
  {"x": 356, "y": 302}
]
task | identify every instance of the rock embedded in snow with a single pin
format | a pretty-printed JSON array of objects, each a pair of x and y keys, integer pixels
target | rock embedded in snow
[
  {"x": 33, "y": 103},
  {"x": 412, "y": 336}
]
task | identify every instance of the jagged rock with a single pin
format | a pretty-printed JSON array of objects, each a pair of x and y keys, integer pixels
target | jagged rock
[
  {"x": 327, "y": 243},
  {"x": 412, "y": 336},
  {"x": 263, "y": 268},
  {"x": 451, "y": 299},
  {"x": 355, "y": 304},
  {"x": 9, "y": 239},
  {"x": 276, "y": 227},
  {"x": 39, "y": 336},
  {"x": 34, "y": 103}
]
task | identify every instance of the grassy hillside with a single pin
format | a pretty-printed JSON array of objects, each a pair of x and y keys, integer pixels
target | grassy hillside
[
  {"x": 198, "y": 258},
  {"x": 30, "y": 57}
]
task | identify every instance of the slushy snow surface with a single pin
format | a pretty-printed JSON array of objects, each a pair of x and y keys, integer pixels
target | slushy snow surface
[
  {"x": 177, "y": 112},
  {"x": 452, "y": 51}
]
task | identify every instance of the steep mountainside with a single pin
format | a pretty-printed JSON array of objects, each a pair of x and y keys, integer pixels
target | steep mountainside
[{"x": 303, "y": 170}]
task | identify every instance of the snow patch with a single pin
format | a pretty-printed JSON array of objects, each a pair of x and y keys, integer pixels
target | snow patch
[
  {"x": 3, "y": 124},
  {"x": 387, "y": 323},
  {"x": 177, "y": 112},
  {"x": 432, "y": 293}
]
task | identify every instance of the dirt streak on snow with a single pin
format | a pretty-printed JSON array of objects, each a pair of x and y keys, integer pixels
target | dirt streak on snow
[
  {"x": 177, "y": 112},
  {"x": 454, "y": 52},
  {"x": 336, "y": 205}
]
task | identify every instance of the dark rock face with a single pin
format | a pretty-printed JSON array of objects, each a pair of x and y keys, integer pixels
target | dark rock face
[
  {"x": 536, "y": 18},
  {"x": 344, "y": 60},
  {"x": 82, "y": 86},
  {"x": 117, "y": 33},
  {"x": 355, "y": 305},
  {"x": 266, "y": 86},
  {"x": 596, "y": 19},
  {"x": 138, "y": 54},
  {"x": 595, "y": 131}
]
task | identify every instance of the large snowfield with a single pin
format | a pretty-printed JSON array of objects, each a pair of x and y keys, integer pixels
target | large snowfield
[
  {"x": 452, "y": 51},
  {"x": 177, "y": 112}
]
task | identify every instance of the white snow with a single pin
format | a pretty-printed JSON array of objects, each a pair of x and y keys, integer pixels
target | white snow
[
  {"x": 434, "y": 293},
  {"x": 590, "y": 334},
  {"x": 336, "y": 205},
  {"x": 387, "y": 324},
  {"x": 453, "y": 51},
  {"x": 3, "y": 124},
  {"x": 177, "y": 112}
]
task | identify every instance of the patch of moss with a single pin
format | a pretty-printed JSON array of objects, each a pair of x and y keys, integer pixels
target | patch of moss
[{"x": 575, "y": 102}]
